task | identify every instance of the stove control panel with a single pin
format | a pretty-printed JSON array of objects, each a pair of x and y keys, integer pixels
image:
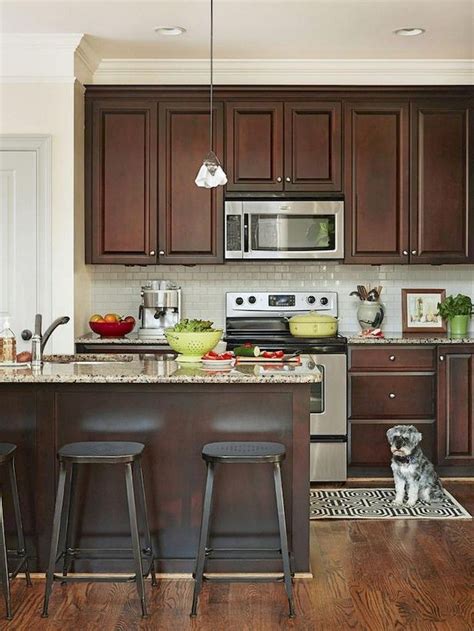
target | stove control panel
[{"x": 243, "y": 304}]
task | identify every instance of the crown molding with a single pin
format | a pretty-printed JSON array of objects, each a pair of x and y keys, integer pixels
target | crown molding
[
  {"x": 46, "y": 58},
  {"x": 287, "y": 71}
]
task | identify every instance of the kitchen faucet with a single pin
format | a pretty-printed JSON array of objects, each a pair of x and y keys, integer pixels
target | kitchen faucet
[{"x": 39, "y": 339}]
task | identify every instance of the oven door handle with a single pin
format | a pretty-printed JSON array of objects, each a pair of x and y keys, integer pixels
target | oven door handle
[{"x": 246, "y": 232}]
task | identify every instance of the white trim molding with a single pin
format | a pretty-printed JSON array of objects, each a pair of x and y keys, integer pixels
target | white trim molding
[
  {"x": 41, "y": 145},
  {"x": 46, "y": 58},
  {"x": 287, "y": 71}
]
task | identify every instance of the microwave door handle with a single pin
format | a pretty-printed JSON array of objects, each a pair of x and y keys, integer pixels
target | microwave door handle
[{"x": 246, "y": 232}]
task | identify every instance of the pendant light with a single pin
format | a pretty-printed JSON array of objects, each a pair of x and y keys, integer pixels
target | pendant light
[{"x": 211, "y": 174}]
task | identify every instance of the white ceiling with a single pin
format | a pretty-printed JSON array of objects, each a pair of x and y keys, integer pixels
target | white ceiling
[{"x": 256, "y": 29}]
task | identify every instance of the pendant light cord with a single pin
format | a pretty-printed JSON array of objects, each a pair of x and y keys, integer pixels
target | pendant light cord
[{"x": 211, "y": 129}]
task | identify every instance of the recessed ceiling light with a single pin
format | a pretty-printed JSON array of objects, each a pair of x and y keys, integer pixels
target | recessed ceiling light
[
  {"x": 409, "y": 31},
  {"x": 170, "y": 30}
]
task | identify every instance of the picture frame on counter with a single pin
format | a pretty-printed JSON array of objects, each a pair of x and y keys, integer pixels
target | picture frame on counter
[{"x": 420, "y": 311}]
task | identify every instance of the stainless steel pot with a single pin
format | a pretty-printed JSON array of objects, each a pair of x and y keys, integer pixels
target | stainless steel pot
[{"x": 313, "y": 324}]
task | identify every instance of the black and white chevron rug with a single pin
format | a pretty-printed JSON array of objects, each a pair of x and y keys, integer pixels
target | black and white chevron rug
[{"x": 377, "y": 504}]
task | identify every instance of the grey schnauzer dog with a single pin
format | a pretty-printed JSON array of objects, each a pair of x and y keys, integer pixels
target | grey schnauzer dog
[{"x": 411, "y": 468}]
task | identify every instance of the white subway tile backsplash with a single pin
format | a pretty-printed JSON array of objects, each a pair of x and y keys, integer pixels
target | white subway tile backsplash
[{"x": 117, "y": 288}]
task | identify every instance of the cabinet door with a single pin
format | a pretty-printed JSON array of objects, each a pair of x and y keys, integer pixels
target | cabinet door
[
  {"x": 455, "y": 405},
  {"x": 121, "y": 174},
  {"x": 442, "y": 207},
  {"x": 312, "y": 146},
  {"x": 190, "y": 218},
  {"x": 376, "y": 183},
  {"x": 254, "y": 137}
]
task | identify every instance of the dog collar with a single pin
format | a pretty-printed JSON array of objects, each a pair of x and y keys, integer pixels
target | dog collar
[{"x": 403, "y": 459}]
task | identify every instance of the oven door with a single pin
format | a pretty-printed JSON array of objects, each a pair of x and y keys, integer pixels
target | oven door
[
  {"x": 328, "y": 405},
  {"x": 293, "y": 230}
]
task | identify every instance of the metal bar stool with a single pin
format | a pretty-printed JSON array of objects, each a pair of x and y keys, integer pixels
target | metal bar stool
[
  {"x": 70, "y": 456},
  {"x": 7, "y": 458},
  {"x": 247, "y": 452}
]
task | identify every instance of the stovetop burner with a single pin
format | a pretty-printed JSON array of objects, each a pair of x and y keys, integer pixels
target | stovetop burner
[{"x": 275, "y": 341}]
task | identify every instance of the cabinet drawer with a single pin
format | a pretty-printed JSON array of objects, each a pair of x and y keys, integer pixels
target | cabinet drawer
[
  {"x": 392, "y": 396},
  {"x": 393, "y": 358},
  {"x": 369, "y": 446}
]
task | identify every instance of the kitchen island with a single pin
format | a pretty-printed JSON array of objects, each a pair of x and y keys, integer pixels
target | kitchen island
[{"x": 174, "y": 410}]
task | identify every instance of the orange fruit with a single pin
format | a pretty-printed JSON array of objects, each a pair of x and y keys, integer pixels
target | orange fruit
[
  {"x": 96, "y": 318},
  {"x": 111, "y": 317}
]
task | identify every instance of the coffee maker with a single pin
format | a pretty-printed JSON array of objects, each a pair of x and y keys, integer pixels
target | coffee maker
[{"x": 160, "y": 308}]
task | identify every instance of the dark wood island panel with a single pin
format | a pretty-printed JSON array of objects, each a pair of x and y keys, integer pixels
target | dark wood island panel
[{"x": 174, "y": 421}]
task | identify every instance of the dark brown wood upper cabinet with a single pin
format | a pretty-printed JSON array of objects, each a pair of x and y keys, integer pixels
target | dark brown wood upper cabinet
[
  {"x": 313, "y": 146},
  {"x": 455, "y": 416},
  {"x": 121, "y": 172},
  {"x": 442, "y": 207},
  {"x": 376, "y": 172},
  {"x": 190, "y": 218},
  {"x": 254, "y": 138}
]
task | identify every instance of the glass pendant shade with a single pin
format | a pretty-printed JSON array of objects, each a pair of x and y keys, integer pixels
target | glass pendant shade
[{"x": 211, "y": 174}]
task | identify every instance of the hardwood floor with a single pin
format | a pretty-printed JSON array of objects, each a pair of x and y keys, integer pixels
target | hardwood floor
[{"x": 368, "y": 576}]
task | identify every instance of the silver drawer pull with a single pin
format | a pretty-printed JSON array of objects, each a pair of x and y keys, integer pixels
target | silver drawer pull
[
  {"x": 392, "y": 358},
  {"x": 441, "y": 358},
  {"x": 392, "y": 395},
  {"x": 279, "y": 179}
]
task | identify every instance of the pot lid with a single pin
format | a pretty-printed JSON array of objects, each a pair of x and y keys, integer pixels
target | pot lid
[{"x": 313, "y": 317}]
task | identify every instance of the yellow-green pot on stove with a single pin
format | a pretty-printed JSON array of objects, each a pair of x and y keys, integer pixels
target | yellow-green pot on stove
[{"x": 313, "y": 324}]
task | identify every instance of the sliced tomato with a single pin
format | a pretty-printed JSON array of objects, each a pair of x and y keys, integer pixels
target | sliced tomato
[{"x": 279, "y": 354}]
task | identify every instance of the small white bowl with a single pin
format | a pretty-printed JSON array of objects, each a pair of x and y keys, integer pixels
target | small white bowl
[{"x": 218, "y": 363}]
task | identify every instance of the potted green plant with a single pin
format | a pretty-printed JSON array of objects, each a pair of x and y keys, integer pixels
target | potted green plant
[{"x": 457, "y": 310}]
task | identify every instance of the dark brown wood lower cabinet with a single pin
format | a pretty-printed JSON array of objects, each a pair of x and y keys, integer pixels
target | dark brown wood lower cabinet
[
  {"x": 191, "y": 219},
  {"x": 456, "y": 405},
  {"x": 369, "y": 446},
  {"x": 174, "y": 421}
]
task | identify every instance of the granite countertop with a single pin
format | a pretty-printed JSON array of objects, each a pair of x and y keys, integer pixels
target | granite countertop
[
  {"x": 131, "y": 338},
  {"x": 397, "y": 337},
  {"x": 130, "y": 369}
]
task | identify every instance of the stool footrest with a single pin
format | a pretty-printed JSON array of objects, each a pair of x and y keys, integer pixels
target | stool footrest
[
  {"x": 101, "y": 553},
  {"x": 208, "y": 550},
  {"x": 90, "y": 578},
  {"x": 243, "y": 579}
]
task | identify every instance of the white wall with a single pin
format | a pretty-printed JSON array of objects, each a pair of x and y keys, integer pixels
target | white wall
[
  {"x": 48, "y": 108},
  {"x": 116, "y": 289}
]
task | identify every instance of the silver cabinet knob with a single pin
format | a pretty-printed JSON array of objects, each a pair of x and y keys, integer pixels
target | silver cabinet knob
[
  {"x": 161, "y": 252},
  {"x": 413, "y": 252},
  {"x": 392, "y": 395},
  {"x": 392, "y": 358},
  {"x": 288, "y": 179},
  {"x": 405, "y": 252},
  {"x": 279, "y": 179},
  {"x": 441, "y": 358},
  {"x": 152, "y": 253}
]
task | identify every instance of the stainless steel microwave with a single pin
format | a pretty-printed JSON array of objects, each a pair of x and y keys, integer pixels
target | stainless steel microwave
[{"x": 284, "y": 229}]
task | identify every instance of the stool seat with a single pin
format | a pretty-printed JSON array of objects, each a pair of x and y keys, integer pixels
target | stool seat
[
  {"x": 110, "y": 452},
  {"x": 6, "y": 452},
  {"x": 243, "y": 451}
]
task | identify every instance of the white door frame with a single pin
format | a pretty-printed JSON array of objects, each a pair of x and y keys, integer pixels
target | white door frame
[{"x": 41, "y": 145}]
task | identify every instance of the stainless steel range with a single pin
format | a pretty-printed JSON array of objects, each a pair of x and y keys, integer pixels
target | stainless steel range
[{"x": 261, "y": 318}]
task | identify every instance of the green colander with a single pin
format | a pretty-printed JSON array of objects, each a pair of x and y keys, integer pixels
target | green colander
[{"x": 192, "y": 346}]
